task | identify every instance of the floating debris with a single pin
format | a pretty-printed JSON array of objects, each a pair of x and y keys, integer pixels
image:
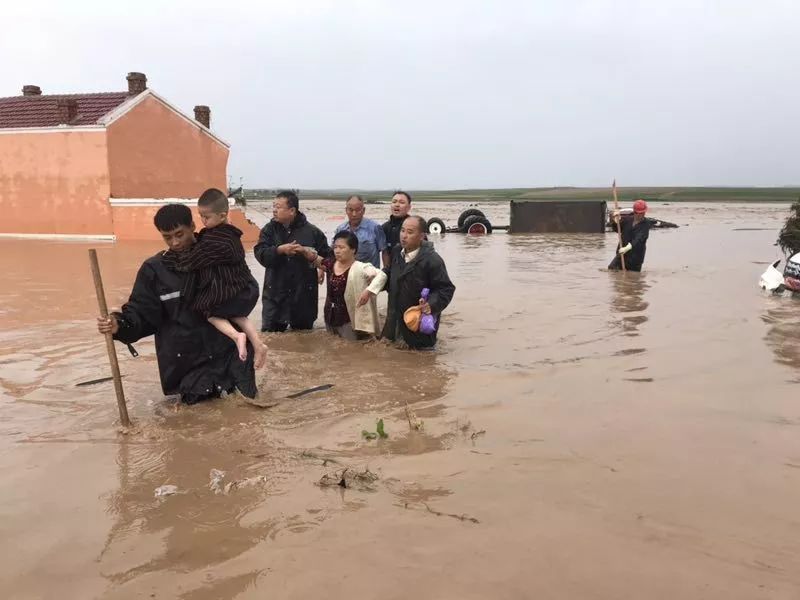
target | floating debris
[
  {"x": 348, "y": 478},
  {"x": 166, "y": 490},
  {"x": 438, "y": 513},
  {"x": 259, "y": 480},
  {"x": 215, "y": 485},
  {"x": 217, "y": 478},
  {"x": 462, "y": 517},
  {"x": 414, "y": 423},
  {"x": 325, "y": 459}
]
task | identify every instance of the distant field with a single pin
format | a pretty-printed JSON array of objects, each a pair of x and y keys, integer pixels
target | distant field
[{"x": 661, "y": 194}]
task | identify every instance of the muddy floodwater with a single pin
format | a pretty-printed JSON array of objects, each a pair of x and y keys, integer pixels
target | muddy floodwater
[{"x": 585, "y": 434}]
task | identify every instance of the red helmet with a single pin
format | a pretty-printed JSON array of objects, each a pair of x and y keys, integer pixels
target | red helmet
[{"x": 640, "y": 207}]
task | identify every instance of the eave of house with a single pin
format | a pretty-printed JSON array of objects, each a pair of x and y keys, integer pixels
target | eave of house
[
  {"x": 114, "y": 115},
  {"x": 56, "y": 129},
  {"x": 134, "y": 101}
]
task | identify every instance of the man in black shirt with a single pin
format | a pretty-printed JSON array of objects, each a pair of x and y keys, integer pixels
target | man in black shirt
[
  {"x": 634, "y": 239},
  {"x": 401, "y": 207}
]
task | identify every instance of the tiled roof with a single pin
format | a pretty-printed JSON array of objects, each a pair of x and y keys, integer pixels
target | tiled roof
[{"x": 42, "y": 111}]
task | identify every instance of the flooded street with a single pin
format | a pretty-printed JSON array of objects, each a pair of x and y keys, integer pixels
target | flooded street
[{"x": 586, "y": 434}]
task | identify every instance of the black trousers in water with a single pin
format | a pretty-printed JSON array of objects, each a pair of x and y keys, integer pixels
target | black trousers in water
[
  {"x": 279, "y": 316},
  {"x": 616, "y": 265}
]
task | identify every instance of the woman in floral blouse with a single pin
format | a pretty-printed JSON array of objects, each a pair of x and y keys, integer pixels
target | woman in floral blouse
[{"x": 350, "y": 310}]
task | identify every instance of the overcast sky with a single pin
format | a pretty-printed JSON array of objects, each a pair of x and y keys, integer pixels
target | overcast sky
[{"x": 448, "y": 94}]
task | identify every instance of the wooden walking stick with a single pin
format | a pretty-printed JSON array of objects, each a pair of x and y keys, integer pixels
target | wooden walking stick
[
  {"x": 619, "y": 224},
  {"x": 112, "y": 351}
]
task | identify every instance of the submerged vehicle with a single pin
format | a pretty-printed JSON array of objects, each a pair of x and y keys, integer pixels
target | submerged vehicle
[
  {"x": 474, "y": 221},
  {"x": 471, "y": 221}
]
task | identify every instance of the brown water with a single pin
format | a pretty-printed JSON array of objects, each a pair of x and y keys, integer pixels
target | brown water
[{"x": 614, "y": 436}]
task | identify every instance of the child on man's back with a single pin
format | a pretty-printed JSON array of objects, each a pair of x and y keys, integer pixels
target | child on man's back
[{"x": 220, "y": 284}]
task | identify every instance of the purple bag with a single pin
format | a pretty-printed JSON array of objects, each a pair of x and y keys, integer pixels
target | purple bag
[{"x": 427, "y": 323}]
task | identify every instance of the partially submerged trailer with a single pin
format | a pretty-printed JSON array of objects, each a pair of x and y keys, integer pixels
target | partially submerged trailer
[
  {"x": 563, "y": 216},
  {"x": 543, "y": 216}
]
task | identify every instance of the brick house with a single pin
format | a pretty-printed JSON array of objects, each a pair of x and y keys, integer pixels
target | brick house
[{"x": 98, "y": 166}]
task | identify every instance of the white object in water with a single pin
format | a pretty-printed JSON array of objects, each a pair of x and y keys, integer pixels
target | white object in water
[
  {"x": 216, "y": 480},
  {"x": 258, "y": 480},
  {"x": 772, "y": 279},
  {"x": 166, "y": 490}
]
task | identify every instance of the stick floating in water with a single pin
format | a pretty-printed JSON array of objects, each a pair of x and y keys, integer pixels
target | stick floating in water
[
  {"x": 94, "y": 381},
  {"x": 264, "y": 403},
  {"x": 319, "y": 388}
]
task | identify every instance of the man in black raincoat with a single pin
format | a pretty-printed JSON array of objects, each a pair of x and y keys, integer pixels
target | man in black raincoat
[
  {"x": 635, "y": 232},
  {"x": 400, "y": 209},
  {"x": 415, "y": 265},
  {"x": 194, "y": 359},
  {"x": 290, "y": 248}
]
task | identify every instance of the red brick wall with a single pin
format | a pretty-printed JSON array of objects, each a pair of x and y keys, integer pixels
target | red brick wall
[
  {"x": 54, "y": 183},
  {"x": 155, "y": 153}
]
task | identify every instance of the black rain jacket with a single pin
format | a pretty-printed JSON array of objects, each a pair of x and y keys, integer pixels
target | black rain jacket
[
  {"x": 405, "y": 284},
  {"x": 194, "y": 359}
]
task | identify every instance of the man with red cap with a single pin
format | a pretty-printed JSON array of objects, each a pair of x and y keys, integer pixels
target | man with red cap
[{"x": 634, "y": 239}]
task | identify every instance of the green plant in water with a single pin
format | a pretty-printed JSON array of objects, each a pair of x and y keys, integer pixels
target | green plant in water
[
  {"x": 373, "y": 435},
  {"x": 789, "y": 237}
]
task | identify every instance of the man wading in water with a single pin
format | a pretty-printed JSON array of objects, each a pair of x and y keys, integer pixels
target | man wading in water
[
  {"x": 401, "y": 206},
  {"x": 415, "y": 265},
  {"x": 194, "y": 359},
  {"x": 290, "y": 248},
  {"x": 634, "y": 239},
  {"x": 371, "y": 237}
]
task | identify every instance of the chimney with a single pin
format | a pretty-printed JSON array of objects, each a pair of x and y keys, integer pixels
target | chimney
[
  {"x": 31, "y": 90},
  {"x": 202, "y": 114},
  {"x": 67, "y": 110},
  {"x": 137, "y": 83}
]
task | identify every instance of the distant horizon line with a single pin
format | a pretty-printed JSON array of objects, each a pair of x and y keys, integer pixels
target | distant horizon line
[{"x": 543, "y": 188}]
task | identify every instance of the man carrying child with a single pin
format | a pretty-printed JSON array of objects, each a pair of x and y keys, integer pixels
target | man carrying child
[{"x": 195, "y": 360}]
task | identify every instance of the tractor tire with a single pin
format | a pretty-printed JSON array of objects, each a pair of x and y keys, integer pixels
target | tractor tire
[
  {"x": 477, "y": 225},
  {"x": 470, "y": 212},
  {"x": 436, "y": 226}
]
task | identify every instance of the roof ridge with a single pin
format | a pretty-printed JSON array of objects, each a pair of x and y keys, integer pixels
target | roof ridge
[
  {"x": 43, "y": 111},
  {"x": 74, "y": 95}
]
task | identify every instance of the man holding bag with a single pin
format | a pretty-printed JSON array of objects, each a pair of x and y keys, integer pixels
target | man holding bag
[{"x": 414, "y": 266}]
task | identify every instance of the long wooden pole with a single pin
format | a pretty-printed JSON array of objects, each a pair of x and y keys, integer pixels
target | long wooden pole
[
  {"x": 112, "y": 351},
  {"x": 619, "y": 223}
]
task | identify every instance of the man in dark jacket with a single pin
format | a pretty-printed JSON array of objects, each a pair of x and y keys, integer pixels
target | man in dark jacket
[
  {"x": 634, "y": 239},
  {"x": 401, "y": 207},
  {"x": 415, "y": 265},
  {"x": 194, "y": 359},
  {"x": 289, "y": 248}
]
